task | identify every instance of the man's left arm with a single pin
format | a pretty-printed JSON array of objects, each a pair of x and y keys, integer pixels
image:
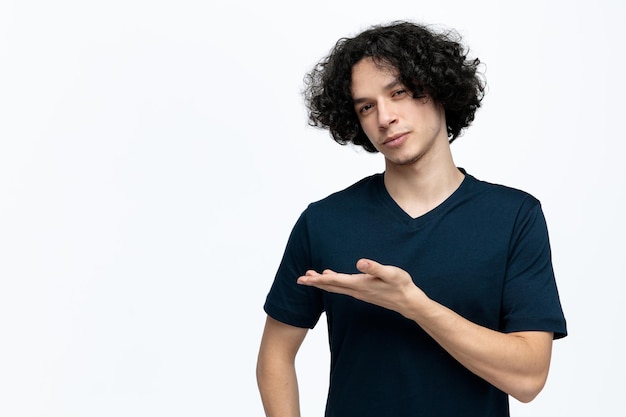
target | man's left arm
[{"x": 516, "y": 363}]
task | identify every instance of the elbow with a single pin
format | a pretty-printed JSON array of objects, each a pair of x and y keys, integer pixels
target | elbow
[
  {"x": 531, "y": 375},
  {"x": 271, "y": 368},
  {"x": 263, "y": 369},
  {"x": 528, "y": 389},
  {"x": 259, "y": 372},
  {"x": 526, "y": 396}
]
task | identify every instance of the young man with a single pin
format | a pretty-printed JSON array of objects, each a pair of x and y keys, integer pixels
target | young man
[{"x": 438, "y": 288}]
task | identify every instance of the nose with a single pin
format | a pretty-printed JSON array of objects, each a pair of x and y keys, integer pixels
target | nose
[{"x": 386, "y": 115}]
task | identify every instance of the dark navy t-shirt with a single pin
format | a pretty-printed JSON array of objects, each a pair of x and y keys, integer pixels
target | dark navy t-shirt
[{"x": 484, "y": 253}]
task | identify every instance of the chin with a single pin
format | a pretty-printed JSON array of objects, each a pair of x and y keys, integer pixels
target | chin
[{"x": 405, "y": 160}]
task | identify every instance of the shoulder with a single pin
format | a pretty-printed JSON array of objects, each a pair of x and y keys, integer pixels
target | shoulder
[
  {"x": 495, "y": 205},
  {"x": 499, "y": 195},
  {"x": 361, "y": 192},
  {"x": 342, "y": 208}
]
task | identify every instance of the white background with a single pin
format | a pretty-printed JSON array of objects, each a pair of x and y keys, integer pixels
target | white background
[{"x": 155, "y": 154}]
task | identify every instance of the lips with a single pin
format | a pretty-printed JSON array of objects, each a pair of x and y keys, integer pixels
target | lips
[{"x": 395, "y": 140}]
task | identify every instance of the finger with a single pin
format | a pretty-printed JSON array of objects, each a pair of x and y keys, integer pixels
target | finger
[
  {"x": 328, "y": 278},
  {"x": 313, "y": 278},
  {"x": 306, "y": 278},
  {"x": 334, "y": 282}
]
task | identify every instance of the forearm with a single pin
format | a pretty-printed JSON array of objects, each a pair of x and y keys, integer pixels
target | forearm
[
  {"x": 516, "y": 363},
  {"x": 276, "y": 371},
  {"x": 278, "y": 387}
]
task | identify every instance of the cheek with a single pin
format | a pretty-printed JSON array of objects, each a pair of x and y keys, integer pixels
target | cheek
[
  {"x": 439, "y": 115},
  {"x": 369, "y": 127},
  {"x": 372, "y": 138},
  {"x": 431, "y": 120}
]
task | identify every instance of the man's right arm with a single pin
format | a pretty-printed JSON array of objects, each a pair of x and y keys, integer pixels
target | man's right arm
[{"x": 276, "y": 372}]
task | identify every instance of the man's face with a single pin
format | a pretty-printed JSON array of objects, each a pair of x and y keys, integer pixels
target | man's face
[{"x": 404, "y": 129}]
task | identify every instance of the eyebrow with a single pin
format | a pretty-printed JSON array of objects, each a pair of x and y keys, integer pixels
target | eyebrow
[{"x": 387, "y": 87}]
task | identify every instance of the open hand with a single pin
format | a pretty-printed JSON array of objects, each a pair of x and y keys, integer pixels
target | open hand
[{"x": 383, "y": 285}]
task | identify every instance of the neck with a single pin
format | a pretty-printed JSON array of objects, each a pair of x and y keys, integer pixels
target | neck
[{"x": 421, "y": 186}]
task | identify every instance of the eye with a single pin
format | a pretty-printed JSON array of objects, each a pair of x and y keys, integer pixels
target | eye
[
  {"x": 399, "y": 93},
  {"x": 365, "y": 108}
]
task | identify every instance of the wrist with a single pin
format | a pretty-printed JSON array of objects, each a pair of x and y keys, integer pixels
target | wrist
[{"x": 416, "y": 305}]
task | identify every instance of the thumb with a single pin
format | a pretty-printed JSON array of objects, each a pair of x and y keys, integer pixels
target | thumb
[{"x": 367, "y": 266}]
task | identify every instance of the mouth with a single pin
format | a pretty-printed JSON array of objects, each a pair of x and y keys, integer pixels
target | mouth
[{"x": 395, "y": 140}]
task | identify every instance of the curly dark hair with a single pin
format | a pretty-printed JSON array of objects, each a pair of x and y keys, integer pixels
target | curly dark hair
[{"x": 427, "y": 62}]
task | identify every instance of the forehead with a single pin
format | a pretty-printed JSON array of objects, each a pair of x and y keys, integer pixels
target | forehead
[{"x": 369, "y": 75}]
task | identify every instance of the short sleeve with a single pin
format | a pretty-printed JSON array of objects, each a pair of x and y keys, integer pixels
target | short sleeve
[
  {"x": 288, "y": 301},
  {"x": 531, "y": 300}
]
